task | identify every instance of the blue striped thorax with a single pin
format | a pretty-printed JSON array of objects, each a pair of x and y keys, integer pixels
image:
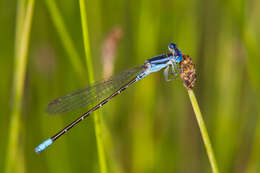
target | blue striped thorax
[{"x": 159, "y": 62}]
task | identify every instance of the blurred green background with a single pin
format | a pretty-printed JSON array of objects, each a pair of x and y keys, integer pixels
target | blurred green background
[{"x": 150, "y": 127}]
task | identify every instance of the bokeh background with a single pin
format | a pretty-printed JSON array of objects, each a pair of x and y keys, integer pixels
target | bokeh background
[{"x": 151, "y": 126}]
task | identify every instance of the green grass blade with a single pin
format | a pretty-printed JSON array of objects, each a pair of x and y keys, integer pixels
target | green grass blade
[
  {"x": 147, "y": 39},
  {"x": 253, "y": 61},
  {"x": 203, "y": 131},
  {"x": 22, "y": 42},
  {"x": 97, "y": 117},
  {"x": 65, "y": 38}
]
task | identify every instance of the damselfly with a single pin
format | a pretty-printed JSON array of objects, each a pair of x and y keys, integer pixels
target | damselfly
[{"x": 104, "y": 91}]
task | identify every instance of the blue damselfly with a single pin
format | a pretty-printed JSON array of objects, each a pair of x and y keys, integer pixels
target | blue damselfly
[{"x": 101, "y": 92}]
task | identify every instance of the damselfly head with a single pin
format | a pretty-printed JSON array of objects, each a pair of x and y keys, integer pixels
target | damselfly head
[
  {"x": 175, "y": 52},
  {"x": 172, "y": 47},
  {"x": 188, "y": 72}
]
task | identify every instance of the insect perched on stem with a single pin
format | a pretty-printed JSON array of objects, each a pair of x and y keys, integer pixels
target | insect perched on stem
[{"x": 102, "y": 92}]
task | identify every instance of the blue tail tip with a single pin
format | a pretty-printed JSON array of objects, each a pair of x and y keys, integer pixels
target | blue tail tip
[{"x": 43, "y": 145}]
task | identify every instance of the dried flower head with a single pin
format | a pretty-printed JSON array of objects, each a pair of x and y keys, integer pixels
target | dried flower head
[
  {"x": 188, "y": 72},
  {"x": 109, "y": 50}
]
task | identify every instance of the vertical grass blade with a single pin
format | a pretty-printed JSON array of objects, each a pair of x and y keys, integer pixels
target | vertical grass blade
[
  {"x": 97, "y": 117},
  {"x": 65, "y": 38},
  {"x": 253, "y": 61},
  {"x": 203, "y": 131},
  {"x": 22, "y": 42},
  {"x": 146, "y": 36}
]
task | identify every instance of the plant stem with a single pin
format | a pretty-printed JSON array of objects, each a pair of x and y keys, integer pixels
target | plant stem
[
  {"x": 203, "y": 131},
  {"x": 97, "y": 118},
  {"x": 21, "y": 50}
]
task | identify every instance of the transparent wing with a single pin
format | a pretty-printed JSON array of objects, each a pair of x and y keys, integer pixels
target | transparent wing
[{"x": 91, "y": 95}]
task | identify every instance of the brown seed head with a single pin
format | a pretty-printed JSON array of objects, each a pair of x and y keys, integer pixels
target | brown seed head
[
  {"x": 109, "y": 50},
  {"x": 188, "y": 72}
]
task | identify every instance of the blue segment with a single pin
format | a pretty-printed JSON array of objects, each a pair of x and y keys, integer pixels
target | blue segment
[
  {"x": 178, "y": 59},
  {"x": 142, "y": 75},
  {"x": 43, "y": 145},
  {"x": 157, "y": 67},
  {"x": 160, "y": 61}
]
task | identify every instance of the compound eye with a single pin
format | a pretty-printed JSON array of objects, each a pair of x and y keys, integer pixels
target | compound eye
[{"x": 172, "y": 47}]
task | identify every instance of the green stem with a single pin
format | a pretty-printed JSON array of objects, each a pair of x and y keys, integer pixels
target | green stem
[
  {"x": 203, "y": 131},
  {"x": 21, "y": 50},
  {"x": 97, "y": 118}
]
